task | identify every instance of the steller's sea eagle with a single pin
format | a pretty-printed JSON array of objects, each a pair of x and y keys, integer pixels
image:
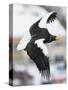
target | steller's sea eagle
[{"x": 34, "y": 43}]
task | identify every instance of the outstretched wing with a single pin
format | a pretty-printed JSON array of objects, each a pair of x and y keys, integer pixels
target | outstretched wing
[
  {"x": 42, "y": 60},
  {"x": 52, "y": 24},
  {"x": 40, "y": 51},
  {"x": 23, "y": 42}
]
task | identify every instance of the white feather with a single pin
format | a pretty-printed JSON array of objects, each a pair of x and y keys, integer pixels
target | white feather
[
  {"x": 43, "y": 23},
  {"x": 41, "y": 45},
  {"x": 24, "y": 41},
  {"x": 54, "y": 28}
]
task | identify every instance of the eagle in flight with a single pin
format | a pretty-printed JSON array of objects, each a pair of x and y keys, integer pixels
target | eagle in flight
[{"x": 34, "y": 43}]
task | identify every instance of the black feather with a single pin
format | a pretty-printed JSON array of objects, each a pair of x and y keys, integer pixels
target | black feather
[
  {"x": 51, "y": 17},
  {"x": 34, "y": 28},
  {"x": 41, "y": 61}
]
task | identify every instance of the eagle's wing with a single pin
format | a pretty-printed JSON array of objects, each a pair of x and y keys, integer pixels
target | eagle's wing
[
  {"x": 24, "y": 41},
  {"x": 42, "y": 60},
  {"x": 49, "y": 18},
  {"x": 53, "y": 25}
]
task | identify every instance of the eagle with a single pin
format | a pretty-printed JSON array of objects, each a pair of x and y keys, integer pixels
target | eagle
[{"x": 34, "y": 43}]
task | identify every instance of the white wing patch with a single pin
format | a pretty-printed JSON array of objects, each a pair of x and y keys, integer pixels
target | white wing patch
[
  {"x": 43, "y": 23},
  {"x": 41, "y": 45},
  {"x": 54, "y": 28},
  {"x": 23, "y": 42}
]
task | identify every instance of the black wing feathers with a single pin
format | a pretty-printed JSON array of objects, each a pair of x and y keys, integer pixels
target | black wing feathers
[
  {"x": 52, "y": 17},
  {"x": 41, "y": 61}
]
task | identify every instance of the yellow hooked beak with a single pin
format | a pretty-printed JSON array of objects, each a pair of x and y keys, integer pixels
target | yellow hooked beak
[{"x": 58, "y": 38}]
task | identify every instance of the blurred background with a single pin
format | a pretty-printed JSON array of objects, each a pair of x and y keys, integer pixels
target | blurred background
[{"x": 23, "y": 69}]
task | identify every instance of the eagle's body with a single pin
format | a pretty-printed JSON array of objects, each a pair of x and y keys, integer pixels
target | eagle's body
[{"x": 36, "y": 48}]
